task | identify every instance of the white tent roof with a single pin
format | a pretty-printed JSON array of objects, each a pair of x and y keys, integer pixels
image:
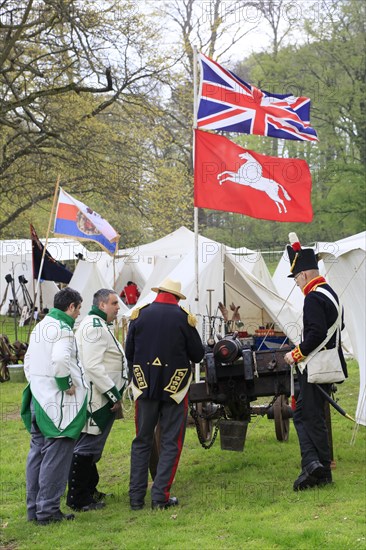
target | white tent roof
[
  {"x": 181, "y": 242},
  {"x": 253, "y": 262},
  {"x": 117, "y": 271},
  {"x": 162, "y": 269},
  {"x": 175, "y": 244},
  {"x": 336, "y": 249}
]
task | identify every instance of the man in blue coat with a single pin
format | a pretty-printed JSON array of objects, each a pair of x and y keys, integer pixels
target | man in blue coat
[
  {"x": 161, "y": 342},
  {"x": 319, "y": 314}
]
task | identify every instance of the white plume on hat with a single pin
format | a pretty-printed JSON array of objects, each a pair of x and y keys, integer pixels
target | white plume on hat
[{"x": 294, "y": 241}]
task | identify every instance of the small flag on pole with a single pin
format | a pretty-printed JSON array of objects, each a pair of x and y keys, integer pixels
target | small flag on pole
[
  {"x": 52, "y": 270},
  {"x": 75, "y": 219}
]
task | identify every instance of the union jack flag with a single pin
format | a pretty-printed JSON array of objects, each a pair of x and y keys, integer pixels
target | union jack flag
[{"x": 228, "y": 103}]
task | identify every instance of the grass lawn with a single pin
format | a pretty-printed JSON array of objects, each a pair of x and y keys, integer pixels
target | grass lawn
[{"x": 228, "y": 500}]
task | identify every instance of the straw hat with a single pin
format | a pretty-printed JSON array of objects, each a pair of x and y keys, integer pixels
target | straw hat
[{"x": 174, "y": 287}]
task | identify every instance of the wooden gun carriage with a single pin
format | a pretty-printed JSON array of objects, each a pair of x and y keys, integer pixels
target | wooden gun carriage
[{"x": 234, "y": 377}]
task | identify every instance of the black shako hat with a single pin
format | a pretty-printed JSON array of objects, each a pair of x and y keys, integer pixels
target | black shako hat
[{"x": 301, "y": 259}]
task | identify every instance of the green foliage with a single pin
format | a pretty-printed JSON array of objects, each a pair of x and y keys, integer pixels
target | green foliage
[
  {"x": 56, "y": 82},
  {"x": 127, "y": 152},
  {"x": 227, "y": 500},
  {"x": 330, "y": 69}
]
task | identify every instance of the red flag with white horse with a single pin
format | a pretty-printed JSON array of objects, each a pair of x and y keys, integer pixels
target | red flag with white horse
[{"x": 230, "y": 178}]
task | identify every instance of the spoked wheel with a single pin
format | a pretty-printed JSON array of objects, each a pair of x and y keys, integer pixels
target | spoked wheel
[
  {"x": 281, "y": 414},
  {"x": 204, "y": 411}
]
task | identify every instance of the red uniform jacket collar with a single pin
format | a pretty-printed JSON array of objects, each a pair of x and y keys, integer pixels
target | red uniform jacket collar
[
  {"x": 166, "y": 298},
  {"x": 313, "y": 284}
]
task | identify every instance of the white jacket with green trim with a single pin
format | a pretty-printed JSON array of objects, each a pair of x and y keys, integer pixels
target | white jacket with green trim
[
  {"x": 51, "y": 366},
  {"x": 104, "y": 363}
]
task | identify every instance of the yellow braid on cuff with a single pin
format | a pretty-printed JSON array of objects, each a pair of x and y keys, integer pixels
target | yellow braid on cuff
[{"x": 297, "y": 355}]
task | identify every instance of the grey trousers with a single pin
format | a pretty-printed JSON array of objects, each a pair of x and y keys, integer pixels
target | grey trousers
[
  {"x": 47, "y": 470},
  {"x": 89, "y": 444},
  {"x": 172, "y": 418}
]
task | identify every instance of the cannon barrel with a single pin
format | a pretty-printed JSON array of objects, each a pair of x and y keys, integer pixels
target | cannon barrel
[
  {"x": 234, "y": 369},
  {"x": 236, "y": 375}
]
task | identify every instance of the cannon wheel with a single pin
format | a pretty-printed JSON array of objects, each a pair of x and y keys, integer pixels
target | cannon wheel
[
  {"x": 282, "y": 422},
  {"x": 204, "y": 423}
]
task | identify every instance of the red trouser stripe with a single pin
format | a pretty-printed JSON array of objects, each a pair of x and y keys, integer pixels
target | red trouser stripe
[{"x": 180, "y": 446}]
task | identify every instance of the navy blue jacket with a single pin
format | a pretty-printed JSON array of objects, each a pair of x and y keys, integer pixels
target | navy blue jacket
[{"x": 159, "y": 347}]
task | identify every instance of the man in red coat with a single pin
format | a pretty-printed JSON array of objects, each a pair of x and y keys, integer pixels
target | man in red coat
[{"x": 130, "y": 294}]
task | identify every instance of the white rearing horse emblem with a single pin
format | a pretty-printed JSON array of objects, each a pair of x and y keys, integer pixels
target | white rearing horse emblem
[{"x": 250, "y": 174}]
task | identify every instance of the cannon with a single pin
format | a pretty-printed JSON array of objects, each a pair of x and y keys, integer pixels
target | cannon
[{"x": 236, "y": 375}]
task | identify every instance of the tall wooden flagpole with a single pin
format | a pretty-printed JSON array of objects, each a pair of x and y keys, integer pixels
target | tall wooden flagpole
[
  {"x": 197, "y": 370},
  {"x": 193, "y": 159},
  {"x": 47, "y": 234},
  {"x": 44, "y": 251}
]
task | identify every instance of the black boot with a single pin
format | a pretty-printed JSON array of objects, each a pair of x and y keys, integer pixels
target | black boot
[
  {"x": 79, "y": 496},
  {"x": 94, "y": 480},
  {"x": 326, "y": 476}
]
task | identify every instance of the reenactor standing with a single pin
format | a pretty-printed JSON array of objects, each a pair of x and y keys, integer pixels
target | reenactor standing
[{"x": 161, "y": 342}]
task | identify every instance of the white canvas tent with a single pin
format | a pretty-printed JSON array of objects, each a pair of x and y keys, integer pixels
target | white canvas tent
[
  {"x": 345, "y": 269},
  {"x": 60, "y": 249},
  {"x": 260, "y": 303},
  {"x": 87, "y": 279},
  {"x": 126, "y": 266},
  {"x": 161, "y": 269},
  {"x": 210, "y": 277},
  {"x": 225, "y": 275},
  {"x": 147, "y": 265},
  {"x": 174, "y": 245},
  {"x": 154, "y": 261}
]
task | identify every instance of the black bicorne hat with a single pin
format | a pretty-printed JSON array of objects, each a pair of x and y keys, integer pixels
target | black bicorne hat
[{"x": 301, "y": 259}]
